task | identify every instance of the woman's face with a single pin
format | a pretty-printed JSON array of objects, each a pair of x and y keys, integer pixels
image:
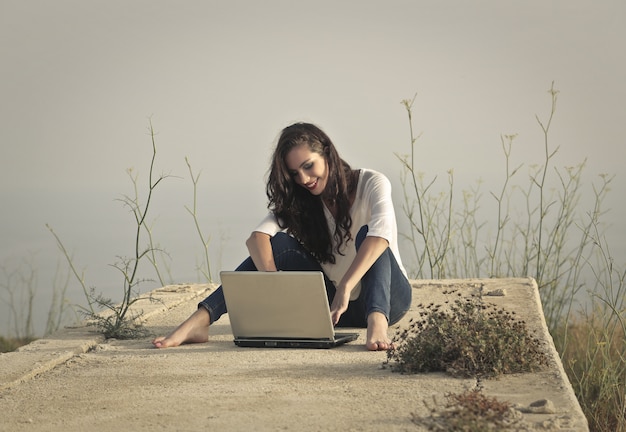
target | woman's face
[{"x": 308, "y": 169}]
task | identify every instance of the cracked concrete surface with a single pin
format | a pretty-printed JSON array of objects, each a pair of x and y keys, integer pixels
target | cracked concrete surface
[{"x": 74, "y": 380}]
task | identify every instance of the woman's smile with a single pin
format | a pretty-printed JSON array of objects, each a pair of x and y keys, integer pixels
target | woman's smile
[{"x": 311, "y": 186}]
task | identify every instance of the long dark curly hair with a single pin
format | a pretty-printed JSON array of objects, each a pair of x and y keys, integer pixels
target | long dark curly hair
[{"x": 298, "y": 210}]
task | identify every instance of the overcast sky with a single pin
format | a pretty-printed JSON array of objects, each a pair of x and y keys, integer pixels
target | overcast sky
[{"x": 219, "y": 79}]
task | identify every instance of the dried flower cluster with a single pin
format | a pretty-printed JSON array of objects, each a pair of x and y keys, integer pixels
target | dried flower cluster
[{"x": 466, "y": 338}]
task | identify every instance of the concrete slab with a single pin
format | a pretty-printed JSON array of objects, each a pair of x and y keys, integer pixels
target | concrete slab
[
  {"x": 74, "y": 381},
  {"x": 44, "y": 354}
]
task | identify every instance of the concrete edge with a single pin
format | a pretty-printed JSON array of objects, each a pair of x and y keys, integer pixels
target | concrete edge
[
  {"x": 558, "y": 364},
  {"x": 46, "y": 353},
  {"x": 18, "y": 372}
]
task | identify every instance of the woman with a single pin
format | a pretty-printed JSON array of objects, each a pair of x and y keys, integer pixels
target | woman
[{"x": 324, "y": 216}]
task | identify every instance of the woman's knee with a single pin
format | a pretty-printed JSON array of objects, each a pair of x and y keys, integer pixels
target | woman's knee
[
  {"x": 281, "y": 240},
  {"x": 281, "y": 236},
  {"x": 289, "y": 254}
]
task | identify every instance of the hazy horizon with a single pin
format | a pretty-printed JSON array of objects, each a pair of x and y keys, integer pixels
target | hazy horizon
[{"x": 219, "y": 80}]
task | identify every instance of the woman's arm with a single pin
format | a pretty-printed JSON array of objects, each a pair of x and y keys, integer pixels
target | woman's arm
[
  {"x": 260, "y": 250},
  {"x": 369, "y": 251}
]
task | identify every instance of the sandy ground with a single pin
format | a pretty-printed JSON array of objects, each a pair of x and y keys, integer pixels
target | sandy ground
[{"x": 75, "y": 381}]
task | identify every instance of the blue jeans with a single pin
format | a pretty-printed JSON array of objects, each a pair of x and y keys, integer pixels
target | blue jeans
[{"x": 384, "y": 288}]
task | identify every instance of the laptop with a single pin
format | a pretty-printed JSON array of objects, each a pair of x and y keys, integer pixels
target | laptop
[{"x": 280, "y": 310}]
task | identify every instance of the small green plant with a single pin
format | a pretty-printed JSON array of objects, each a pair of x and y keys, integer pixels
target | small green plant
[
  {"x": 467, "y": 338},
  {"x": 470, "y": 411},
  {"x": 120, "y": 320}
]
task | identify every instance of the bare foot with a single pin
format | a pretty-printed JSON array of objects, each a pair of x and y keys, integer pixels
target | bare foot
[
  {"x": 194, "y": 329},
  {"x": 377, "y": 339}
]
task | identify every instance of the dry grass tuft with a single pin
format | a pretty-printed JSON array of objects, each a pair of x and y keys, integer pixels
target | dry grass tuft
[{"x": 470, "y": 412}]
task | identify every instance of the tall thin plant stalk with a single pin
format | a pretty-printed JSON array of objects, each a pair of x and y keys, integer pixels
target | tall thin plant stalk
[
  {"x": 422, "y": 210},
  {"x": 541, "y": 182},
  {"x": 503, "y": 214},
  {"x": 90, "y": 310},
  {"x": 206, "y": 268}
]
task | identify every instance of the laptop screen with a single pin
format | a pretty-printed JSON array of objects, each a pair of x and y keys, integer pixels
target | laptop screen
[{"x": 277, "y": 304}]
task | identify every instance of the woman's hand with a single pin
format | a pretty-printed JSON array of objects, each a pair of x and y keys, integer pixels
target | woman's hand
[
  {"x": 371, "y": 248},
  {"x": 340, "y": 304}
]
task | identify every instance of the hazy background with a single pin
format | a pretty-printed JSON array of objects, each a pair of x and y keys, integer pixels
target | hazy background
[{"x": 79, "y": 81}]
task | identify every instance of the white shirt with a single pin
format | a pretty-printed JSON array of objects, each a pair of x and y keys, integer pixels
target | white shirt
[{"x": 372, "y": 207}]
